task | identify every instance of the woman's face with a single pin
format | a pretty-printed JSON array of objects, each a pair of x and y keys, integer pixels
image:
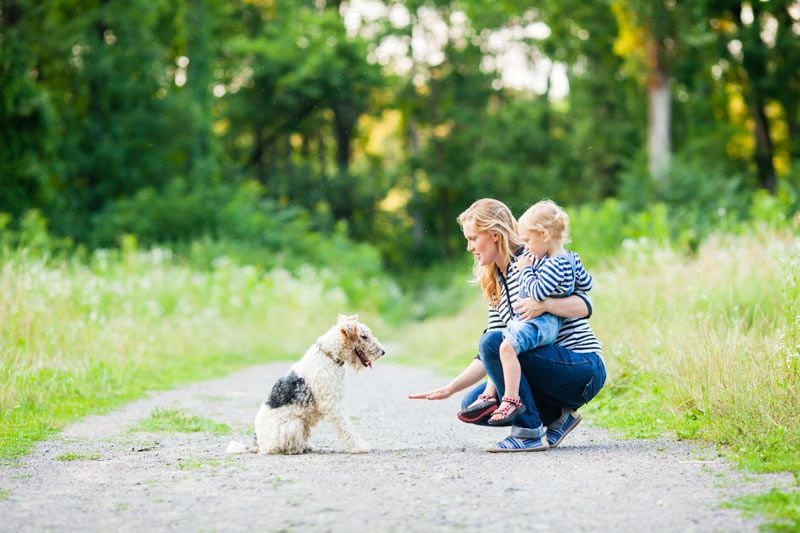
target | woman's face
[{"x": 481, "y": 244}]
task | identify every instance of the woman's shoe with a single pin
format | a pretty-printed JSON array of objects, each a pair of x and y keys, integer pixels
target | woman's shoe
[
  {"x": 561, "y": 427},
  {"x": 517, "y": 444},
  {"x": 481, "y": 408}
]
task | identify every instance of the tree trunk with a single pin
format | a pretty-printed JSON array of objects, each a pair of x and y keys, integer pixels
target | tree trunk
[
  {"x": 658, "y": 116},
  {"x": 417, "y": 223},
  {"x": 756, "y": 73},
  {"x": 99, "y": 117},
  {"x": 257, "y": 156},
  {"x": 766, "y": 170},
  {"x": 345, "y": 116}
]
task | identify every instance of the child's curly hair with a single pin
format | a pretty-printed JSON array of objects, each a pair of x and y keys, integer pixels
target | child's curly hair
[{"x": 546, "y": 215}]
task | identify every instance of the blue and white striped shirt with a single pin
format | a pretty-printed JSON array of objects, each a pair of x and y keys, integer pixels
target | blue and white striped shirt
[
  {"x": 554, "y": 276},
  {"x": 575, "y": 333}
]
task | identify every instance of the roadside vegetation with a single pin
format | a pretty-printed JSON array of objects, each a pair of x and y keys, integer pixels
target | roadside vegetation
[{"x": 702, "y": 340}]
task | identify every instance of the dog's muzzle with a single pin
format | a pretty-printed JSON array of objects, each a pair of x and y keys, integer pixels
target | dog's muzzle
[{"x": 364, "y": 359}]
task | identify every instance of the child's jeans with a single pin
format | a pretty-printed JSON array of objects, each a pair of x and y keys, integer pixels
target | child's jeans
[{"x": 530, "y": 334}]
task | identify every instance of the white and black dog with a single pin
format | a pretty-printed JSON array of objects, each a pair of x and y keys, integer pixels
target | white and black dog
[{"x": 313, "y": 390}]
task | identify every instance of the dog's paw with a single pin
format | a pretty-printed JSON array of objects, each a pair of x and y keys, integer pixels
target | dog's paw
[{"x": 360, "y": 447}]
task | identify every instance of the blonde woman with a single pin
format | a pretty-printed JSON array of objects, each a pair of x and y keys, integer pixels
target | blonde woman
[
  {"x": 556, "y": 379},
  {"x": 544, "y": 228}
]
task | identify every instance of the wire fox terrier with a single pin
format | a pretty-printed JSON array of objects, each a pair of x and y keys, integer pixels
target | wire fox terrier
[{"x": 313, "y": 390}]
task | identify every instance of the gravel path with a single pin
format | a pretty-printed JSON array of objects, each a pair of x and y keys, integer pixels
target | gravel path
[{"x": 428, "y": 472}]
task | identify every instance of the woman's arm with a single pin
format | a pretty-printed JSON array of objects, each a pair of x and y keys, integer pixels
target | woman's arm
[
  {"x": 469, "y": 376},
  {"x": 570, "y": 307}
]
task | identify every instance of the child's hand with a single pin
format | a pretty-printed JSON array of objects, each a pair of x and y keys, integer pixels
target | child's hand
[{"x": 524, "y": 262}]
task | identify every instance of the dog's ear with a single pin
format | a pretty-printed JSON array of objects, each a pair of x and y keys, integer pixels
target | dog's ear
[{"x": 350, "y": 331}]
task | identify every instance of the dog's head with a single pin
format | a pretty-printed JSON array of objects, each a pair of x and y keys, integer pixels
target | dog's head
[{"x": 359, "y": 344}]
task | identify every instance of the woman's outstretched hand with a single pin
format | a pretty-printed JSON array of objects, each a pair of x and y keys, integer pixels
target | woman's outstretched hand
[
  {"x": 438, "y": 394},
  {"x": 528, "y": 308}
]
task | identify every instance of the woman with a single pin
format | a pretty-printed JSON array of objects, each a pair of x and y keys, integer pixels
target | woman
[{"x": 556, "y": 379}]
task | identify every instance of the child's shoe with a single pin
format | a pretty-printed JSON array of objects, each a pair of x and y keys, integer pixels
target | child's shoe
[{"x": 510, "y": 409}]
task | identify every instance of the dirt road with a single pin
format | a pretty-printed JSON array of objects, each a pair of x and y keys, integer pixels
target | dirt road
[{"x": 428, "y": 472}]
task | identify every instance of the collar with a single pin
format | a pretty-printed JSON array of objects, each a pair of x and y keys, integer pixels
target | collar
[{"x": 329, "y": 354}]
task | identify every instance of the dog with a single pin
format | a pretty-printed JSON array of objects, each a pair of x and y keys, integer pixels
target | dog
[{"x": 313, "y": 390}]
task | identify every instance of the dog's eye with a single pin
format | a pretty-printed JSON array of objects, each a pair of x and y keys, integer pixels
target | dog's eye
[{"x": 364, "y": 336}]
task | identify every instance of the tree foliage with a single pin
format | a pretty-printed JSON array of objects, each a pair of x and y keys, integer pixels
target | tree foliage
[{"x": 155, "y": 117}]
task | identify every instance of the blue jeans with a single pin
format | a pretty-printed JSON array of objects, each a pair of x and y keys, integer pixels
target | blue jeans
[
  {"x": 552, "y": 378},
  {"x": 529, "y": 334}
]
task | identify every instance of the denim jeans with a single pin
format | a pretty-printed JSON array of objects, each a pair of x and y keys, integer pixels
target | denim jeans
[
  {"x": 552, "y": 378},
  {"x": 528, "y": 334}
]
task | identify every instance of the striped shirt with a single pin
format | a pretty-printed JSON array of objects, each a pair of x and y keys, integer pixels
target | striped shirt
[
  {"x": 575, "y": 333},
  {"x": 554, "y": 276}
]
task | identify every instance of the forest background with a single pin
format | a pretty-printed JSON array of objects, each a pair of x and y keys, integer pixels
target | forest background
[{"x": 181, "y": 180}]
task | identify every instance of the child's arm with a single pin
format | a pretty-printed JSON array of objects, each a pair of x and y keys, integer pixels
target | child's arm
[
  {"x": 548, "y": 277},
  {"x": 583, "y": 280}
]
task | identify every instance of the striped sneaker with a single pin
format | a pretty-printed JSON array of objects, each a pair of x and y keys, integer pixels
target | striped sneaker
[
  {"x": 561, "y": 427},
  {"x": 516, "y": 444}
]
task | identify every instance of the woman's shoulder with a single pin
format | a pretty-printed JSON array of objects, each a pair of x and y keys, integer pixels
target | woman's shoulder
[{"x": 565, "y": 258}]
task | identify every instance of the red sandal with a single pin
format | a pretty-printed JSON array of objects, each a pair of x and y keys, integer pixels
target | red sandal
[{"x": 510, "y": 409}]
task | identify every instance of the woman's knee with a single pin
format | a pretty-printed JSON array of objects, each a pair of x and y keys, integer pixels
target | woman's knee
[{"x": 489, "y": 345}]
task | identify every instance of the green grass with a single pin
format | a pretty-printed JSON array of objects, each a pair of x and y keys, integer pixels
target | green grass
[
  {"x": 5, "y": 494},
  {"x": 80, "y": 338},
  {"x": 781, "y": 510},
  {"x": 176, "y": 421},
  {"x": 705, "y": 347},
  {"x": 72, "y": 456},
  {"x": 198, "y": 464}
]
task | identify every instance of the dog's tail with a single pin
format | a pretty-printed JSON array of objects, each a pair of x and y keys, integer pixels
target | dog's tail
[{"x": 238, "y": 447}]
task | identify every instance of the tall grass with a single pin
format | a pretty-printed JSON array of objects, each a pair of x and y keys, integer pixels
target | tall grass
[
  {"x": 79, "y": 337},
  {"x": 707, "y": 346}
]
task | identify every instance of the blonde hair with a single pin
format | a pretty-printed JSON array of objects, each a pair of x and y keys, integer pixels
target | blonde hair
[
  {"x": 546, "y": 215},
  {"x": 495, "y": 217}
]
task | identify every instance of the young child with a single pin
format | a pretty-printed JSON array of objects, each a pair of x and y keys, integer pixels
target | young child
[{"x": 544, "y": 228}]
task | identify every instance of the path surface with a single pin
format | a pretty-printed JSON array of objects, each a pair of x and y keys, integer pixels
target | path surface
[{"x": 428, "y": 472}]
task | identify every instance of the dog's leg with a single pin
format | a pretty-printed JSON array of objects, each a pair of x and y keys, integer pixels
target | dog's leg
[
  {"x": 292, "y": 437},
  {"x": 346, "y": 432}
]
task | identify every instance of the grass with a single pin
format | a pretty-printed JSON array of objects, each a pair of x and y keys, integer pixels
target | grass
[
  {"x": 705, "y": 347},
  {"x": 782, "y": 510},
  {"x": 73, "y": 456},
  {"x": 79, "y": 338},
  {"x": 198, "y": 464},
  {"x": 176, "y": 421}
]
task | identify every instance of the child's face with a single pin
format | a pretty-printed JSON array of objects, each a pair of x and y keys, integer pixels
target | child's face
[{"x": 537, "y": 241}]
